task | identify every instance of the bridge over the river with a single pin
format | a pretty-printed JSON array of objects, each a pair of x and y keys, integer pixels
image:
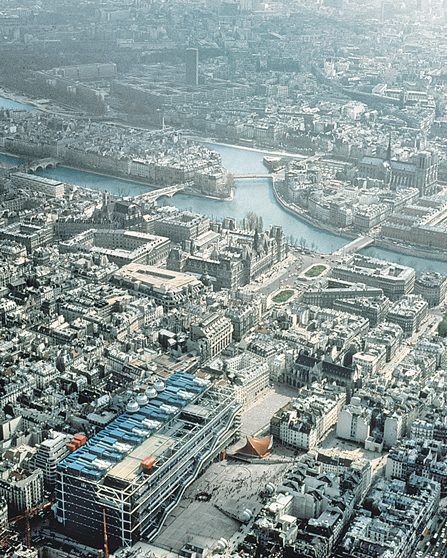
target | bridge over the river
[
  {"x": 154, "y": 195},
  {"x": 253, "y": 175},
  {"x": 42, "y": 164},
  {"x": 355, "y": 245}
]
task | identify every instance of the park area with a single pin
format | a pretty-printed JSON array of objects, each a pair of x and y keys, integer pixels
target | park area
[
  {"x": 315, "y": 270},
  {"x": 283, "y": 296}
]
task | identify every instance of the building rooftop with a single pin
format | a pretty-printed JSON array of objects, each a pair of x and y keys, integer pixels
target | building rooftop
[
  {"x": 145, "y": 432},
  {"x": 159, "y": 279}
]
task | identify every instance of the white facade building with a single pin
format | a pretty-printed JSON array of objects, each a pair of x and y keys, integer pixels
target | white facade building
[
  {"x": 304, "y": 422},
  {"x": 49, "y": 453},
  {"x": 354, "y": 422},
  {"x": 250, "y": 376}
]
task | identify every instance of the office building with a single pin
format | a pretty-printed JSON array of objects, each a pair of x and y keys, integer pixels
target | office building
[
  {"x": 211, "y": 335},
  {"x": 192, "y": 67},
  {"x": 432, "y": 286},
  {"x": 249, "y": 375},
  {"x": 49, "y": 453},
  {"x": 386, "y": 334},
  {"x": 408, "y": 313},
  {"x": 183, "y": 226},
  {"x": 46, "y": 186},
  {"x": 370, "y": 362},
  {"x": 394, "y": 280}
]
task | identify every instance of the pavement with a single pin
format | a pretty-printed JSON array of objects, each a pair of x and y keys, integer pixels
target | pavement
[
  {"x": 350, "y": 450},
  {"x": 258, "y": 415},
  {"x": 233, "y": 487}
]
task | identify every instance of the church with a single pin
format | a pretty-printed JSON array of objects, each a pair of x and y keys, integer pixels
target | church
[{"x": 420, "y": 171}]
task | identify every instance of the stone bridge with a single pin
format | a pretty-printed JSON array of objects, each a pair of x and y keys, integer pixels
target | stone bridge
[
  {"x": 153, "y": 195},
  {"x": 355, "y": 245},
  {"x": 42, "y": 164}
]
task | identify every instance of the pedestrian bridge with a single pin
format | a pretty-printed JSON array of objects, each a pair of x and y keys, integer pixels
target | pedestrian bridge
[
  {"x": 42, "y": 164},
  {"x": 355, "y": 245}
]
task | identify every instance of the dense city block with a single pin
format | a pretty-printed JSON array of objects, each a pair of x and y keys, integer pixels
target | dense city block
[{"x": 223, "y": 279}]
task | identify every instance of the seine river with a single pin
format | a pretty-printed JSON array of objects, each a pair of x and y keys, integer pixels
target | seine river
[
  {"x": 11, "y": 104},
  {"x": 250, "y": 195}
]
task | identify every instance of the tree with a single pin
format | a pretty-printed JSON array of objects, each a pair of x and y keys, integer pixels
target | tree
[
  {"x": 442, "y": 328},
  {"x": 303, "y": 242}
]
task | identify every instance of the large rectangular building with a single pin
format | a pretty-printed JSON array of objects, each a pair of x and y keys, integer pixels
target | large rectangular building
[
  {"x": 47, "y": 186},
  {"x": 170, "y": 289},
  {"x": 192, "y": 67},
  {"x": 394, "y": 280},
  {"x": 182, "y": 226},
  {"x": 326, "y": 292},
  {"x": 134, "y": 472},
  {"x": 120, "y": 246},
  {"x": 30, "y": 236}
]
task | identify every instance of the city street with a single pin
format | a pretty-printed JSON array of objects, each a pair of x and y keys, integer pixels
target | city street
[
  {"x": 288, "y": 273},
  {"x": 433, "y": 543}
]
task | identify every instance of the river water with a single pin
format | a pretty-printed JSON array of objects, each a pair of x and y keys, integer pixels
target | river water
[
  {"x": 103, "y": 183},
  {"x": 10, "y": 160},
  {"x": 250, "y": 195},
  {"x": 16, "y": 105}
]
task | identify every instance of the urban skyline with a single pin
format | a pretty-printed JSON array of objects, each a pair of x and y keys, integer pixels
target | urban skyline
[{"x": 223, "y": 279}]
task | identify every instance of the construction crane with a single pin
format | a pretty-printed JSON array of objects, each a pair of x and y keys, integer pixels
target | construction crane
[
  {"x": 106, "y": 540},
  {"x": 27, "y": 516}
]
